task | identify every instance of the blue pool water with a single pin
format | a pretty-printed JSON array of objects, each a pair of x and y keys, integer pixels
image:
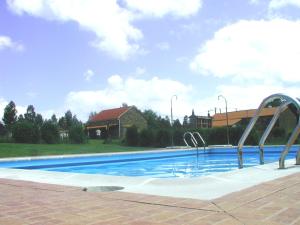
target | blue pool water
[{"x": 183, "y": 163}]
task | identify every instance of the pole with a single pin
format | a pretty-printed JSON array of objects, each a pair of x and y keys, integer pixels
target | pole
[
  {"x": 227, "y": 126},
  {"x": 172, "y": 140}
]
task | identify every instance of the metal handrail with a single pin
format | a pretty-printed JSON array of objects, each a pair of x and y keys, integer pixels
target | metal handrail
[
  {"x": 200, "y": 137},
  {"x": 194, "y": 141},
  {"x": 293, "y": 137},
  {"x": 290, "y": 142},
  {"x": 280, "y": 109}
]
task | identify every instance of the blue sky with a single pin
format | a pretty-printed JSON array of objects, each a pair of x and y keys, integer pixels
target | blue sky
[{"x": 90, "y": 55}]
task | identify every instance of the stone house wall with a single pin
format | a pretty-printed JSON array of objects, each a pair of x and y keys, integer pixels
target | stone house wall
[{"x": 130, "y": 118}]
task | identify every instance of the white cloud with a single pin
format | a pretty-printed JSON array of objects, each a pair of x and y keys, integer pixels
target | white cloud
[
  {"x": 164, "y": 46},
  {"x": 260, "y": 51},
  {"x": 160, "y": 8},
  {"x": 145, "y": 94},
  {"x": 139, "y": 71},
  {"x": 276, "y": 4},
  {"x": 111, "y": 22},
  {"x": 250, "y": 96},
  {"x": 254, "y": 2},
  {"x": 6, "y": 42},
  {"x": 106, "y": 19},
  {"x": 257, "y": 58},
  {"x": 88, "y": 74}
]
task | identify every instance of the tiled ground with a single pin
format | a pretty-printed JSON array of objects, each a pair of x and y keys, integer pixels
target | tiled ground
[{"x": 272, "y": 203}]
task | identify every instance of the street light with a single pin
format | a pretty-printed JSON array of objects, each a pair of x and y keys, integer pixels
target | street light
[
  {"x": 221, "y": 96},
  {"x": 172, "y": 117}
]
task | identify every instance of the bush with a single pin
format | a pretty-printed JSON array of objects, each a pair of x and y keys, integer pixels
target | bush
[
  {"x": 49, "y": 132},
  {"x": 278, "y": 132},
  {"x": 178, "y": 138},
  {"x": 217, "y": 136},
  {"x": 132, "y": 136},
  {"x": 146, "y": 138},
  {"x": 3, "y": 130},
  {"x": 6, "y": 139},
  {"x": 25, "y": 132},
  {"x": 162, "y": 138},
  {"x": 235, "y": 133},
  {"x": 77, "y": 135}
]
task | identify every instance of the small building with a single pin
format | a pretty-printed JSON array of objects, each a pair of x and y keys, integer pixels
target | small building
[
  {"x": 114, "y": 122},
  {"x": 63, "y": 134},
  {"x": 200, "y": 121}
]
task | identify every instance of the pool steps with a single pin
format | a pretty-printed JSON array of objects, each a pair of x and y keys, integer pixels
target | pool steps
[
  {"x": 193, "y": 139},
  {"x": 286, "y": 101}
]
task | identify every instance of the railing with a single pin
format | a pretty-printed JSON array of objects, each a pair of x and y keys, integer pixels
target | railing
[
  {"x": 286, "y": 101},
  {"x": 280, "y": 109},
  {"x": 200, "y": 137},
  {"x": 193, "y": 139}
]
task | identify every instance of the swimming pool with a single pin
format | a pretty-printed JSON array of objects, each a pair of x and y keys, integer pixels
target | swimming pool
[{"x": 162, "y": 164}]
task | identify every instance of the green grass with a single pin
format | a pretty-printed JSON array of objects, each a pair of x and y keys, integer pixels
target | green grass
[{"x": 93, "y": 146}]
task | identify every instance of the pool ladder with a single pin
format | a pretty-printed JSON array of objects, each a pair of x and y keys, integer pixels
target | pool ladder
[
  {"x": 193, "y": 139},
  {"x": 286, "y": 102}
]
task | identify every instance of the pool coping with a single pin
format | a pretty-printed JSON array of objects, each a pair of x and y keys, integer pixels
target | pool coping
[
  {"x": 167, "y": 149},
  {"x": 203, "y": 188}
]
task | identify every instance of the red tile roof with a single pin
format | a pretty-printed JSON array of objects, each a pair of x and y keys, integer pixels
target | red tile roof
[
  {"x": 109, "y": 114},
  {"x": 219, "y": 119}
]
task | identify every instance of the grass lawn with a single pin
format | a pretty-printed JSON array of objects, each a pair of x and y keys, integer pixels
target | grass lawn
[{"x": 93, "y": 146}]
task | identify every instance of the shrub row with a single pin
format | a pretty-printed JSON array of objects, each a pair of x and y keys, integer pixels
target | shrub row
[
  {"x": 212, "y": 136},
  {"x": 27, "y": 132}
]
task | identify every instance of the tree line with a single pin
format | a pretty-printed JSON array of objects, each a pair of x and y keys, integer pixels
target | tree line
[
  {"x": 31, "y": 127},
  {"x": 160, "y": 133}
]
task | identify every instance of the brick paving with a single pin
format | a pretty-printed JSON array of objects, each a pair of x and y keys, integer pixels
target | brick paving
[{"x": 27, "y": 203}]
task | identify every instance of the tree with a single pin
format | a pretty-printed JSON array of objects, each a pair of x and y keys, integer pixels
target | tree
[
  {"x": 75, "y": 121},
  {"x": 25, "y": 132},
  {"x": 69, "y": 119},
  {"x": 30, "y": 114},
  {"x": 39, "y": 120},
  {"x": 21, "y": 117},
  {"x": 152, "y": 119},
  {"x": 162, "y": 138},
  {"x": 49, "y": 132},
  {"x": 132, "y": 136},
  {"x": 177, "y": 124},
  {"x": 62, "y": 123},
  {"x": 92, "y": 114},
  {"x": 146, "y": 137},
  {"x": 10, "y": 115},
  {"x": 275, "y": 103},
  {"x": 2, "y": 129},
  {"x": 53, "y": 119},
  {"x": 185, "y": 123},
  {"x": 164, "y": 123},
  {"x": 77, "y": 135}
]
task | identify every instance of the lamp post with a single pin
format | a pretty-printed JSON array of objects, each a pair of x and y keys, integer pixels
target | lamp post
[
  {"x": 172, "y": 117},
  {"x": 221, "y": 96}
]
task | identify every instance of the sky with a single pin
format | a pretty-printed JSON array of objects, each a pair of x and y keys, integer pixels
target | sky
[{"x": 90, "y": 55}]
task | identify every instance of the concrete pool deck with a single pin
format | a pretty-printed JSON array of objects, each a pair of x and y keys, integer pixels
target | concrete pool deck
[
  {"x": 276, "y": 202},
  {"x": 202, "y": 188}
]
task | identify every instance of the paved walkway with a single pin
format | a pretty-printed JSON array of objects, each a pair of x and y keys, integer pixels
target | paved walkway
[{"x": 271, "y": 203}]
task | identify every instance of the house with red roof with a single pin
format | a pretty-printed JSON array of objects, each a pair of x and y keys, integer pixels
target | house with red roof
[{"x": 115, "y": 122}]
